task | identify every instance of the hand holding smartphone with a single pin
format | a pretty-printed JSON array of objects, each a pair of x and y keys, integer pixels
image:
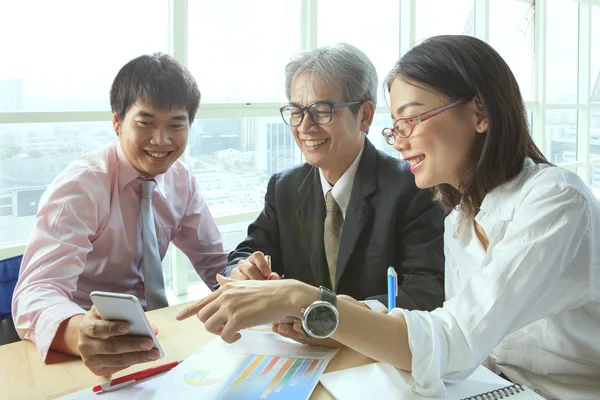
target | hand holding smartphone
[{"x": 125, "y": 307}]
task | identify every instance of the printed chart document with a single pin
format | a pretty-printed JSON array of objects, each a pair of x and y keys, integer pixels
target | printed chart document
[{"x": 262, "y": 365}]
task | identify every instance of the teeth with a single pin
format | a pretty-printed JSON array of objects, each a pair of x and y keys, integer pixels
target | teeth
[
  {"x": 312, "y": 143},
  {"x": 414, "y": 161},
  {"x": 157, "y": 155}
]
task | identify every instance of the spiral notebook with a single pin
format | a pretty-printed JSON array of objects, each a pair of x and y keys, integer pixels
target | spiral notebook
[{"x": 382, "y": 381}]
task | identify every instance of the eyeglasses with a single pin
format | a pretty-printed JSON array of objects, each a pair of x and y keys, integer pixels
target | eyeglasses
[
  {"x": 403, "y": 127},
  {"x": 320, "y": 112}
]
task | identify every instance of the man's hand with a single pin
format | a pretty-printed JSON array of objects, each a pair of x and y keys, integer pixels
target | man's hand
[
  {"x": 104, "y": 349},
  {"x": 256, "y": 267}
]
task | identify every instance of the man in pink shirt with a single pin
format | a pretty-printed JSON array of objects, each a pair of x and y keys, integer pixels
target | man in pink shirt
[{"x": 88, "y": 231}]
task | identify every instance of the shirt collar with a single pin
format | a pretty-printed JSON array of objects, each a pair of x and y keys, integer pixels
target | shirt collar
[
  {"x": 128, "y": 174},
  {"x": 342, "y": 189},
  {"x": 500, "y": 202},
  {"x": 498, "y": 206}
]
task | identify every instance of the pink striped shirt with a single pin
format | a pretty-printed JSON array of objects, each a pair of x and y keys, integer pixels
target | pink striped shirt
[{"x": 87, "y": 236}]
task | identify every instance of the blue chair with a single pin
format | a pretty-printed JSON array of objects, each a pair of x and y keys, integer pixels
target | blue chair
[{"x": 9, "y": 273}]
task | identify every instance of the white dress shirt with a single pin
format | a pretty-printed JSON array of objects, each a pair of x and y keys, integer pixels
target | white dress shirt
[
  {"x": 530, "y": 302},
  {"x": 342, "y": 189}
]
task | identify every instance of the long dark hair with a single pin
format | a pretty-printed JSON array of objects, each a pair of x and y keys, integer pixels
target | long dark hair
[{"x": 463, "y": 66}]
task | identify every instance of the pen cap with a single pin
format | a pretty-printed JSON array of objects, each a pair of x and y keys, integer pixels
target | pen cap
[{"x": 392, "y": 275}]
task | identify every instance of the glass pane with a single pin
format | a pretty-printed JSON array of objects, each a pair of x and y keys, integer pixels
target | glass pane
[
  {"x": 511, "y": 34},
  {"x": 595, "y": 179},
  {"x": 65, "y": 55},
  {"x": 595, "y": 134},
  {"x": 31, "y": 155},
  {"x": 595, "y": 73},
  {"x": 562, "y": 51},
  {"x": 233, "y": 159},
  {"x": 378, "y": 36},
  {"x": 443, "y": 17},
  {"x": 240, "y": 56},
  {"x": 561, "y": 136}
]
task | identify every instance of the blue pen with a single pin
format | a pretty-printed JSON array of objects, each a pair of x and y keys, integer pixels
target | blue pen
[{"x": 392, "y": 280}]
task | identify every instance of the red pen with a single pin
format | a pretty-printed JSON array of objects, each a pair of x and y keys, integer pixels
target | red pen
[{"x": 130, "y": 379}]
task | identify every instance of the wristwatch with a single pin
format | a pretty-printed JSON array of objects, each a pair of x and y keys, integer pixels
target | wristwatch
[{"x": 321, "y": 318}]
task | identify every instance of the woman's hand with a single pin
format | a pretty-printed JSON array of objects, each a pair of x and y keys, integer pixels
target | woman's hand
[
  {"x": 295, "y": 332},
  {"x": 238, "y": 305}
]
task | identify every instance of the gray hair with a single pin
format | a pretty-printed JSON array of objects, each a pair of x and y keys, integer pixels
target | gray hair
[{"x": 341, "y": 64}]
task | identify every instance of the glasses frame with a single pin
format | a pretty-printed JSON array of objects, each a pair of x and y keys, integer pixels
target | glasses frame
[
  {"x": 306, "y": 109},
  {"x": 391, "y": 134}
]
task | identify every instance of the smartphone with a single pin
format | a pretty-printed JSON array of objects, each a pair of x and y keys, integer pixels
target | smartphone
[{"x": 125, "y": 307}]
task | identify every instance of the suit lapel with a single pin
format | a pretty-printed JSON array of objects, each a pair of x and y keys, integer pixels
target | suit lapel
[
  {"x": 359, "y": 210},
  {"x": 311, "y": 218}
]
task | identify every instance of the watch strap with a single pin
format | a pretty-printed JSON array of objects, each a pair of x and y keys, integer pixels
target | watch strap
[{"x": 328, "y": 296}]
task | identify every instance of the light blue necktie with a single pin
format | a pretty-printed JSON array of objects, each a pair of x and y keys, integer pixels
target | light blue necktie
[{"x": 153, "y": 275}]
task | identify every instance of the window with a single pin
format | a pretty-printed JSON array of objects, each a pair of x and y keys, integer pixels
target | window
[
  {"x": 373, "y": 29},
  {"x": 511, "y": 34},
  {"x": 443, "y": 17},
  {"x": 31, "y": 156},
  {"x": 562, "y": 51},
  {"x": 238, "y": 49},
  {"x": 561, "y": 136},
  {"x": 233, "y": 160},
  {"x": 65, "y": 54},
  {"x": 595, "y": 72}
]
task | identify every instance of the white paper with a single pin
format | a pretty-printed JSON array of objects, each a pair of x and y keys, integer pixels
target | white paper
[
  {"x": 382, "y": 381},
  {"x": 145, "y": 389},
  {"x": 261, "y": 365}
]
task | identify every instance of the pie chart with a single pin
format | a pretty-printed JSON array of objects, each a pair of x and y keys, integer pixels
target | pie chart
[{"x": 202, "y": 376}]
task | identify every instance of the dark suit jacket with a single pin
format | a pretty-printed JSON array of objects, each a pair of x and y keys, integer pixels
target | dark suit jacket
[{"x": 389, "y": 222}]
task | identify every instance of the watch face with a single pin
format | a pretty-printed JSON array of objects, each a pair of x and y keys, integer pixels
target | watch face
[{"x": 321, "y": 320}]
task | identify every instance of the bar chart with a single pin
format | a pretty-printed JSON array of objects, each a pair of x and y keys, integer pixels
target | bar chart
[{"x": 272, "y": 377}]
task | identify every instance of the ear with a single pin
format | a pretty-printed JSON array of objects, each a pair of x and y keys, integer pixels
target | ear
[
  {"x": 366, "y": 114},
  {"x": 116, "y": 123},
  {"x": 482, "y": 121}
]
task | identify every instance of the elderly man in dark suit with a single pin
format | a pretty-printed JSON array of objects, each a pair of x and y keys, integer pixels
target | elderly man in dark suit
[{"x": 351, "y": 211}]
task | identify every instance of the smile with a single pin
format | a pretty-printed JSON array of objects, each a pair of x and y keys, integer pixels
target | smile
[
  {"x": 314, "y": 143},
  {"x": 415, "y": 160},
  {"x": 158, "y": 155}
]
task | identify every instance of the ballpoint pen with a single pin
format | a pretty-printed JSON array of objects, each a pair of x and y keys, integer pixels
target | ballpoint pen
[
  {"x": 392, "y": 284},
  {"x": 130, "y": 379}
]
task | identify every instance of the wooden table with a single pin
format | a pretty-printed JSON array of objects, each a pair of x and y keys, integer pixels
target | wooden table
[{"x": 24, "y": 376}]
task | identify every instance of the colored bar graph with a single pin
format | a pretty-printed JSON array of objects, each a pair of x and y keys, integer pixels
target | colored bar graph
[
  {"x": 300, "y": 373},
  {"x": 289, "y": 374},
  {"x": 248, "y": 370},
  {"x": 269, "y": 367},
  {"x": 313, "y": 365},
  {"x": 277, "y": 378}
]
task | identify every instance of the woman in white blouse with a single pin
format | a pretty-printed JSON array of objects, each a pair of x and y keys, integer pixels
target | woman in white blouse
[{"x": 522, "y": 241}]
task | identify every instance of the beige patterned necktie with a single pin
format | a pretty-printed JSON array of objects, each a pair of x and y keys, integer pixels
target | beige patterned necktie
[{"x": 334, "y": 221}]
